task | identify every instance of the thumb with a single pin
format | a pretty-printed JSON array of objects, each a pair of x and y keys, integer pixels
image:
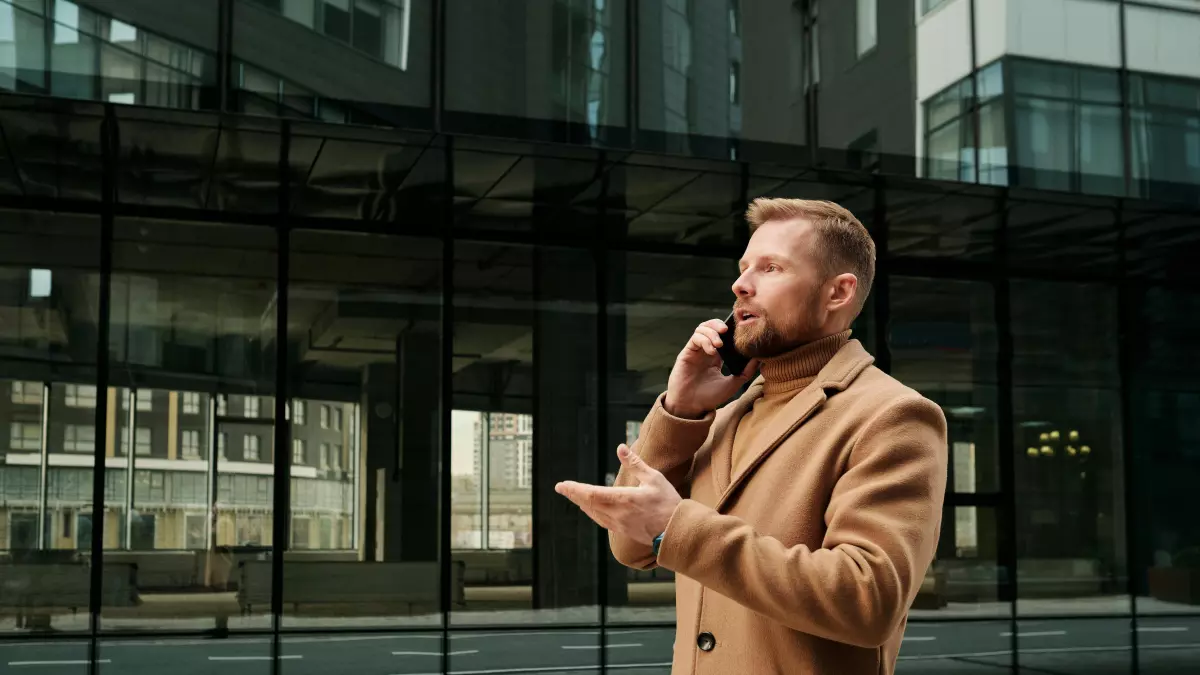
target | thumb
[{"x": 636, "y": 465}]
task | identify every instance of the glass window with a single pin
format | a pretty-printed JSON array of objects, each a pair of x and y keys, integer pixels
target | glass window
[
  {"x": 1068, "y": 128},
  {"x": 27, "y": 393},
  {"x": 250, "y": 447},
  {"x": 143, "y": 447},
  {"x": 1067, "y": 431},
  {"x": 250, "y": 406},
  {"x": 559, "y": 60},
  {"x": 300, "y": 532},
  {"x": 79, "y": 438},
  {"x": 383, "y": 354},
  {"x": 81, "y": 395},
  {"x": 298, "y": 51},
  {"x": 298, "y": 451},
  {"x": 191, "y": 444},
  {"x": 928, "y": 6},
  {"x": 554, "y": 289},
  {"x": 191, "y": 403},
  {"x": 191, "y": 303},
  {"x": 868, "y": 25},
  {"x": 25, "y": 436}
]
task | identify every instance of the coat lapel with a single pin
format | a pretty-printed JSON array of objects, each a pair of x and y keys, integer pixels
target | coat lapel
[
  {"x": 721, "y": 458},
  {"x": 841, "y": 370}
]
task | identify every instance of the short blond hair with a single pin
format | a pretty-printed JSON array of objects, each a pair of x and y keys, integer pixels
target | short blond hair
[{"x": 843, "y": 244}]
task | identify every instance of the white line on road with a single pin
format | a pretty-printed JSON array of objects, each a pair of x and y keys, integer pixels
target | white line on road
[
  {"x": 553, "y": 669},
  {"x": 916, "y": 638},
  {"x": 519, "y": 633},
  {"x": 1036, "y": 633},
  {"x": 1161, "y": 629},
  {"x": 55, "y": 663},
  {"x": 1046, "y": 650},
  {"x": 610, "y": 646},
  {"x": 460, "y": 652},
  {"x": 252, "y": 658}
]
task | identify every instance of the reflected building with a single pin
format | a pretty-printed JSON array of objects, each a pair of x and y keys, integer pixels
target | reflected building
[{"x": 307, "y": 305}]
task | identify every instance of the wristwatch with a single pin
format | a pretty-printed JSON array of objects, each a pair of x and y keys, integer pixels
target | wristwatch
[{"x": 657, "y": 544}]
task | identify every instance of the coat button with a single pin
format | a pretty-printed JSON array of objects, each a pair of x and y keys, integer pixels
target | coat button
[{"x": 706, "y": 642}]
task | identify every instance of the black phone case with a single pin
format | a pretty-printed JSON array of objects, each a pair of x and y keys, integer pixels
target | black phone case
[{"x": 735, "y": 363}]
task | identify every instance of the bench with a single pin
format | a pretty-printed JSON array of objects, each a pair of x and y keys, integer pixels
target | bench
[
  {"x": 349, "y": 588},
  {"x": 34, "y": 592},
  {"x": 170, "y": 571},
  {"x": 497, "y": 567}
]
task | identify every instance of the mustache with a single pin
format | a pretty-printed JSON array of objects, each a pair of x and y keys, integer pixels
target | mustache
[{"x": 739, "y": 307}]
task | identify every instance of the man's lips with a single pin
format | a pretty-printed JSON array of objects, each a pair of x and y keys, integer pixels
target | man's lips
[{"x": 744, "y": 315}]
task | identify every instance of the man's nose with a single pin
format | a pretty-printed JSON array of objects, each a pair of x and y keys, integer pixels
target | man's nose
[{"x": 742, "y": 286}]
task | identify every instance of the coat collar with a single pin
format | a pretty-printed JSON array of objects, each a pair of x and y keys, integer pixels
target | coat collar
[{"x": 842, "y": 369}]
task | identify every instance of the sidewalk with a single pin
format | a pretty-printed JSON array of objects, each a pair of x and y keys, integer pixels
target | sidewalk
[{"x": 198, "y": 612}]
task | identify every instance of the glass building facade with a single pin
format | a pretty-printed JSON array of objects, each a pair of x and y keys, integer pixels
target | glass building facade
[{"x": 306, "y": 305}]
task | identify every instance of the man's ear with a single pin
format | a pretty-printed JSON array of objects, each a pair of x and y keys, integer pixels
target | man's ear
[{"x": 842, "y": 290}]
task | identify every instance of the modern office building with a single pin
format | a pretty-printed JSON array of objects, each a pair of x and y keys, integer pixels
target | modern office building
[{"x": 306, "y": 305}]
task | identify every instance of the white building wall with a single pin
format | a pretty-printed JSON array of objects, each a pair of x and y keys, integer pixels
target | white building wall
[{"x": 1163, "y": 41}]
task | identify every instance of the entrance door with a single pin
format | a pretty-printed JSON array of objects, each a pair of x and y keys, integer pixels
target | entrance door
[{"x": 22, "y": 531}]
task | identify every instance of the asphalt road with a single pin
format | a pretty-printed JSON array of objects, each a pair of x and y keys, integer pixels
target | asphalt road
[{"x": 1171, "y": 645}]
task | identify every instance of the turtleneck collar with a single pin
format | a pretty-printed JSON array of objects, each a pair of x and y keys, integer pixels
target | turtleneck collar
[{"x": 798, "y": 368}]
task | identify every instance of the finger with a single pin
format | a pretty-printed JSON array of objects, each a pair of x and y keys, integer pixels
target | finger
[
  {"x": 711, "y": 334},
  {"x": 702, "y": 343},
  {"x": 716, "y": 324},
  {"x": 636, "y": 465},
  {"x": 587, "y": 496}
]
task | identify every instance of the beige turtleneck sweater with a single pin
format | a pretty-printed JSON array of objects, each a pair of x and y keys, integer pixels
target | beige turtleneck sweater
[{"x": 784, "y": 376}]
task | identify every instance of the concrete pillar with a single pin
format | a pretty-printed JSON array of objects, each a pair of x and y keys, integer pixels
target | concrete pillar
[
  {"x": 401, "y": 453},
  {"x": 565, "y": 438}
]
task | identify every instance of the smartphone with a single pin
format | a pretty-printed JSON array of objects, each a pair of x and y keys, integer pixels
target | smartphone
[{"x": 735, "y": 362}]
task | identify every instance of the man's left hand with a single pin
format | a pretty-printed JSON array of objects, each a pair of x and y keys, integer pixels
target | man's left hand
[{"x": 640, "y": 513}]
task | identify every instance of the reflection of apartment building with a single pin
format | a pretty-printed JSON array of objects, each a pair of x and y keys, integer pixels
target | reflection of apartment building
[
  {"x": 51, "y": 433},
  {"x": 1029, "y": 93},
  {"x": 504, "y": 501}
]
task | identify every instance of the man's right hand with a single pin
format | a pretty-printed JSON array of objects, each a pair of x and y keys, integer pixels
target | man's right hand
[{"x": 697, "y": 385}]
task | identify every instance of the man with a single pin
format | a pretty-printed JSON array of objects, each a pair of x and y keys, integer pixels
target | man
[{"x": 800, "y": 519}]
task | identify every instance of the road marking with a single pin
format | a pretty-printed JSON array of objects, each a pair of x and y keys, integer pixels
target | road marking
[
  {"x": 915, "y": 638},
  {"x": 252, "y": 658},
  {"x": 520, "y": 633},
  {"x": 460, "y": 652},
  {"x": 609, "y": 646},
  {"x": 55, "y": 663},
  {"x": 1161, "y": 629},
  {"x": 552, "y": 669},
  {"x": 1036, "y": 633},
  {"x": 1046, "y": 650}
]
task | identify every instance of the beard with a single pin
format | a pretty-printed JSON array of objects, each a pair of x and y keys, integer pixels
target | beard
[{"x": 770, "y": 335}]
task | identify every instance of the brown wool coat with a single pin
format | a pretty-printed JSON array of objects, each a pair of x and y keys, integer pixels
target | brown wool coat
[{"x": 806, "y": 562}]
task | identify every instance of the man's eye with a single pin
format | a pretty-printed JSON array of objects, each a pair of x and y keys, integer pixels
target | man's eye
[{"x": 772, "y": 268}]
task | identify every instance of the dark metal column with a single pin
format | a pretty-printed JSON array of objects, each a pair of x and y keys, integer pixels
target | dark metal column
[
  {"x": 1127, "y": 300},
  {"x": 603, "y": 440},
  {"x": 446, "y": 381},
  {"x": 881, "y": 286},
  {"x": 281, "y": 505},
  {"x": 1004, "y": 418},
  {"x": 108, "y": 149}
]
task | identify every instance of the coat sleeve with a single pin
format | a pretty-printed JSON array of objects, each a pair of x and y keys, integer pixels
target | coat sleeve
[
  {"x": 668, "y": 444},
  {"x": 882, "y": 525}
]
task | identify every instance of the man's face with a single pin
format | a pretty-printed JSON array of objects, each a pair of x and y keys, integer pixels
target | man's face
[{"x": 779, "y": 291}]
